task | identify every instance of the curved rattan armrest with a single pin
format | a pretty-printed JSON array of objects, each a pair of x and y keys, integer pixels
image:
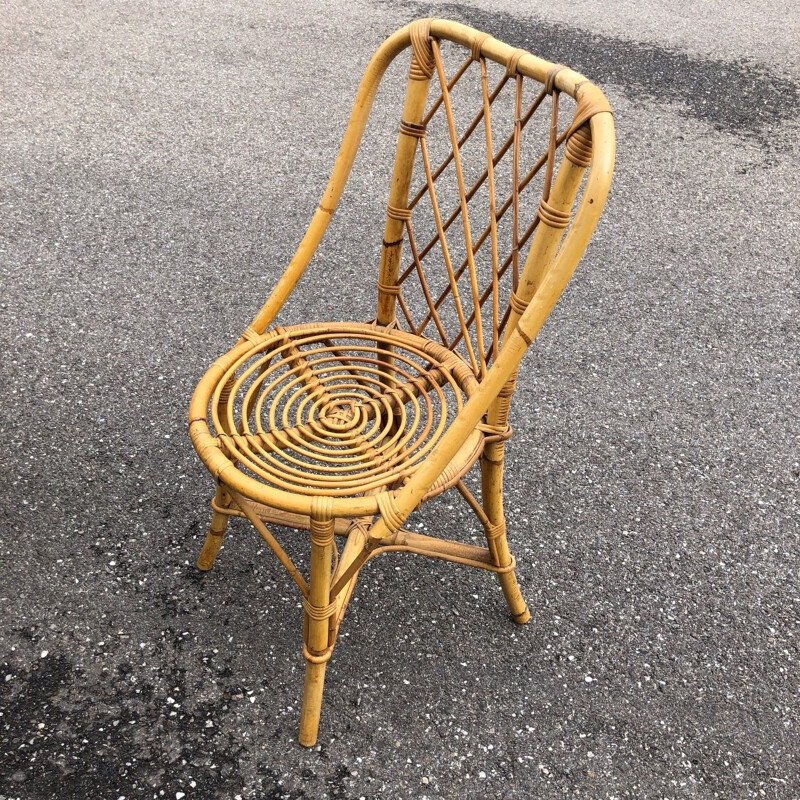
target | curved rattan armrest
[
  {"x": 362, "y": 106},
  {"x": 402, "y": 502}
]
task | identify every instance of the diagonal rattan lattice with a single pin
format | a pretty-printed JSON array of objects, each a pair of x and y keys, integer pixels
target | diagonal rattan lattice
[{"x": 455, "y": 286}]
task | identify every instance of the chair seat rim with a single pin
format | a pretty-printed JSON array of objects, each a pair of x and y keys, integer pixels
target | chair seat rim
[{"x": 226, "y": 470}]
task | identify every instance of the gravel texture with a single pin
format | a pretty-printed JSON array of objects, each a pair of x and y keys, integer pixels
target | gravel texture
[{"x": 159, "y": 164}]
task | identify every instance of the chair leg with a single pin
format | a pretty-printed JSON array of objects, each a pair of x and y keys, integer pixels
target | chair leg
[
  {"x": 216, "y": 533},
  {"x": 492, "y": 496},
  {"x": 318, "y": 628}
]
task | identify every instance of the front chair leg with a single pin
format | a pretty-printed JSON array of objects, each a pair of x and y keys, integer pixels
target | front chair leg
[
  {"x": 216, "y": 532},
  {"x": 492, "y": 496},
  {"x": 318, "y": 628}
]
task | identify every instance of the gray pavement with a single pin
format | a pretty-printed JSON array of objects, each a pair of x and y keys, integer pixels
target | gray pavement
[{"x": 159, "y": 164}]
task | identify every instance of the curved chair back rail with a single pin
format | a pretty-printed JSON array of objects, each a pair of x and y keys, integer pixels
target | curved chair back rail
[{"x": 592, "y": 107}]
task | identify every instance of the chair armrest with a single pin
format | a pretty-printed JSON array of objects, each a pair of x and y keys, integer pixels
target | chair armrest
[
  {"x": 396, "y": 506},
  {"x": 362, "y": 106}
]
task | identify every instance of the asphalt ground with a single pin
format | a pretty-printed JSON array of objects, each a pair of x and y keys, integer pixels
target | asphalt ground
[{"x": 160, "y": 162}]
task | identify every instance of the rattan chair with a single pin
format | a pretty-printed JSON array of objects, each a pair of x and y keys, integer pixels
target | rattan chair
[{"x": 346, "y": 428}]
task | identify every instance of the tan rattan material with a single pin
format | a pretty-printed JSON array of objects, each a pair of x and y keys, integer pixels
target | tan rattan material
[{"x": 502, "y": 168}]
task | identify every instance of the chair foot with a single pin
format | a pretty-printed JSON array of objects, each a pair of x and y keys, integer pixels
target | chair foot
[
  {"x": 312, "y": 703},
  {"x": 216, "y": 533},
  {"x": 523, "y": 618},
  {"x": 520, "y": 612}
]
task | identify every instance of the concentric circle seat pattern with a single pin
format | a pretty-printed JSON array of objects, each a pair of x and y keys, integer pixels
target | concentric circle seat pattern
[{"x": 341, "y": 409}]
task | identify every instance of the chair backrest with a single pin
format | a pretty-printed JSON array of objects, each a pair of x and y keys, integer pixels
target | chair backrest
[{"x": 486, "y": 174}]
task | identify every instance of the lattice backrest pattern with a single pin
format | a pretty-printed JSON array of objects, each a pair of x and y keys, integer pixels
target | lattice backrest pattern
[{"x": 479, "y": 202}]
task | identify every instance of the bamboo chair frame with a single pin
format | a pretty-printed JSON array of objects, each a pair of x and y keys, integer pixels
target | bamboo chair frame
[{"x": 365, "y": 421}]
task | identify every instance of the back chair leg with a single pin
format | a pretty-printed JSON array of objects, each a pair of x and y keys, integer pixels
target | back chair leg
[
  {"x": 317, "y": 628},
  {"x": 492, "y": 496},
  {"x": 216, "y": 532}
]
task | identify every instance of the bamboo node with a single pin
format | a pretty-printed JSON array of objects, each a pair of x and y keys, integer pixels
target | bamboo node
[
  {"x": 510, "y": 567},
  {"x": 389, "y": 510},
  {"x": 417, "y": 130},
  {"x": 225, "y": 393},
  {"x": 322, "y": 657},
  {"x": 390, "y": 289},
  {"x": 422, "y": 62},
  {"x": 498, "y": 433},
  {"x": 495, "y": 530},
  {"x": 387, "y": 328},
  {"x": 579, "y": 147},
  {"x": 513, "y": 62},
  {"x": 550, "y": 80},
  {"x": 477, "y": 45},
  {"x": 524, "y": 334},
  {"x": 508, "y": 387},
  {"x": 251, "y": 334},
  {"x": 322, "y": 532},
  {"x": 591, "y": 101},
  {"x": 493, "y": 457},
  {"x": 322, "y": 509},
  {"x": 517, "y": 303}
]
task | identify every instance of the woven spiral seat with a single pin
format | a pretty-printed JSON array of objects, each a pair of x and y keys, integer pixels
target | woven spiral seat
[{"x": 341, "y": 409}]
